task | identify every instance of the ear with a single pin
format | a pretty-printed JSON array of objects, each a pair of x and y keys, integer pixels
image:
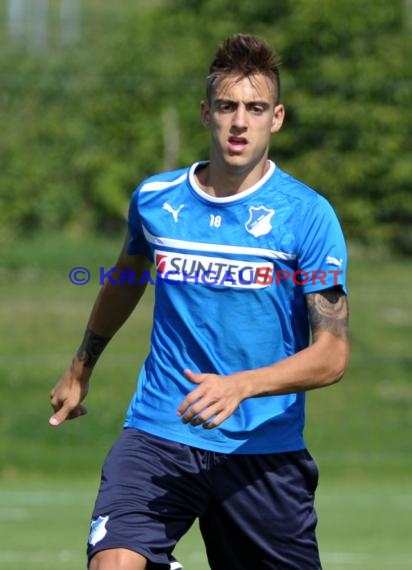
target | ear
[
  {"x": 278, "y": 118},
  {"x": 205, "y": 113}
]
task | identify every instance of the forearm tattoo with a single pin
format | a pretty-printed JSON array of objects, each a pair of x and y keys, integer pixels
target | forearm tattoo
[
  {"x": 328, "y": 310},
  {"x": 91, "y": 348}
]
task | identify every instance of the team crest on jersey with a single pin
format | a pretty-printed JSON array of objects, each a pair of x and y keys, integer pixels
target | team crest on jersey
[
  {"x": 98, "y": 530},
  {"x": 258, "y": 223}
]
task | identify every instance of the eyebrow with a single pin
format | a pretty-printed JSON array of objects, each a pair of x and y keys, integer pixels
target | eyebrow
[{"x": 232, "y": 101}]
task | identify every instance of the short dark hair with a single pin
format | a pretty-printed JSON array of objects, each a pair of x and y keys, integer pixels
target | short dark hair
[{"x": 244, "y": 55}]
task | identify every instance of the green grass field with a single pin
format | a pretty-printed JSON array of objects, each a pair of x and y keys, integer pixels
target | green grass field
[
  {"x": 43, "y": 525},
  {"x": 359, "y": 431}
]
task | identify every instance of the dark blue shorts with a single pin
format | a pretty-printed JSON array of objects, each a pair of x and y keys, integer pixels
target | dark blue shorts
[{"x": 255, "y": 511}]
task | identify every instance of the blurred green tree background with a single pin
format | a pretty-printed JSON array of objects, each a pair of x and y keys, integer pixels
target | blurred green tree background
[{"x": 97, "y": 95}]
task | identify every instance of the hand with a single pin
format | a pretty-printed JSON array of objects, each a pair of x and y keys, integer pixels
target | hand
[
  {"x": 213, "y": 401},
  {"x": 66, "y": 397}
]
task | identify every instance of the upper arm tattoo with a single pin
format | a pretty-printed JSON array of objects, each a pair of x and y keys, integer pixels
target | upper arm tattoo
[
  {"x": 91, "y": 348},
  {"x": 328, "y": 311}
]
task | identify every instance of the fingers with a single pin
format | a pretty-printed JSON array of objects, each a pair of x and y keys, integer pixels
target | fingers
[
  {"x": 211, "y": 402},
  {"x": 65, "y": 408},
  {"x": 209, "y": 417},
  {"x": 200, "y": 408},
  {"x": 200, "y": 412},
  {"x": 195, "y": 378},
  {"x": 186, "y": 405},
  {"x": 60, "y": 416},
  {"x": 203, "y": 403},
  {"x": 66, "y": 398},
  {"x": 217, "y": 420},
  {"x": 66, "y": 413}
]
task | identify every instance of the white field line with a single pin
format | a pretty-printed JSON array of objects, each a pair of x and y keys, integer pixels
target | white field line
[
  {"x": 54, "y": 359},
  {"x": 16, "y": 504},
  {"x": 24, "y": 499},
  {"x": 14, "y": 514},
  {"x": 345, "y": 558},
  {"x": 38, "y": 557},
  {"x": 357, "y": 501},
  {"x": 357, "y": 558}
]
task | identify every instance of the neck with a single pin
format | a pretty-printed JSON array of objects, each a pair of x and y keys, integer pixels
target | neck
[{"x": 229, "y": 181}]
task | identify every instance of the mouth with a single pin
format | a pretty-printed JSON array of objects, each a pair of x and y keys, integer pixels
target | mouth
[{"x": 237, "y": 144}]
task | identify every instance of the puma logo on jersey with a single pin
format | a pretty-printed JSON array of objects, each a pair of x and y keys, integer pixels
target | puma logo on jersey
[
  {"x": 330, "y": 260},
  {"x": 175, "y": 213}
]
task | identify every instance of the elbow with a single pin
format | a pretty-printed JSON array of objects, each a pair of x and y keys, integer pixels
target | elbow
[
  {"x": 333, "y": 359},
  {"x": 339, "y": 362},
  {"x": 337, "y": 376}
]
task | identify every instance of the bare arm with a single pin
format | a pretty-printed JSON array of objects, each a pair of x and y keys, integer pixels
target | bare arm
[
  {"x": 113, "y": 306},
  {"x": 321, "y": 364}
]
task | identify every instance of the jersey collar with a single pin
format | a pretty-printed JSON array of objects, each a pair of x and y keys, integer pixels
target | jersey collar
[{"x": 227, "y": 199}]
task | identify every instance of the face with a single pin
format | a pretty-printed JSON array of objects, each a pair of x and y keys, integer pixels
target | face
[{"x": 242, "y": 116}]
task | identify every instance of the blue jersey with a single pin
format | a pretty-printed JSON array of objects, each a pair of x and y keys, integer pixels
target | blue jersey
[{"x": 232, "y": 275}]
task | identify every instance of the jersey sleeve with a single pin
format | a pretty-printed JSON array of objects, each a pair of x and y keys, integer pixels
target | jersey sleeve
[
  {"x": 322, "y": 258},
  {"x": 138, "y": 244}
]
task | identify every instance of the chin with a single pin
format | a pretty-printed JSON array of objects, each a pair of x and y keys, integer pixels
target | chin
[
  {"x": 236, "y": 159},
  {"x": 240, "y": 163}
]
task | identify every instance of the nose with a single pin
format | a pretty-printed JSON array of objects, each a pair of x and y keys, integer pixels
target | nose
[{"x": 239, "y": 120}]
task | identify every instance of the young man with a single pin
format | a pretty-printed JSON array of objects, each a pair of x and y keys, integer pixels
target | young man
[{"x": 248, "y": 261}]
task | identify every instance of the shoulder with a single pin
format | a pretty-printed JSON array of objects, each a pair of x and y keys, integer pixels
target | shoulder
[
  {"x": 294, "y": 188},
  {"x": 303, "y": 199},
  {"x": 163, "y": 180}
]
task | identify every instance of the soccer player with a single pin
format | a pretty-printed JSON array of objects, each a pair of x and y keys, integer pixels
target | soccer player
[{"x": 250, "y": 313}]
